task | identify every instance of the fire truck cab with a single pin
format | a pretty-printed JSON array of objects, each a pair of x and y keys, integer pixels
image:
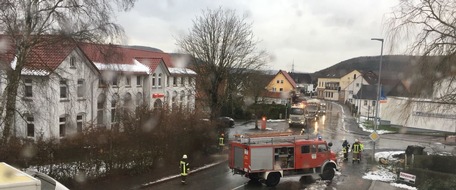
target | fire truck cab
[{"x": 267, "y": 159}]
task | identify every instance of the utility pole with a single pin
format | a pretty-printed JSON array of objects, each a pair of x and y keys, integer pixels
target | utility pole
[{"x": 378, "y": 93}]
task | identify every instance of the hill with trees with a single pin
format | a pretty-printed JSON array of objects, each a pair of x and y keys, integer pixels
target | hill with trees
[{"x": 393, "y": 66}]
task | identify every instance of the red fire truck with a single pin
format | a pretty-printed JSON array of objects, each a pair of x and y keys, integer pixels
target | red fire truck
[{"x": 267, "y": 159}]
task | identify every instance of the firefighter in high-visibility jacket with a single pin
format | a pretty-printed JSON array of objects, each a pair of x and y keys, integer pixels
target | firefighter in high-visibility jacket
[
  {"x": 184, "y": 168},
  {"x": 345, "y": 148},
  {"x": 356, "y": 148},
  {"x": 221, "y": 141},
  {"x": 361, "y": 149}
]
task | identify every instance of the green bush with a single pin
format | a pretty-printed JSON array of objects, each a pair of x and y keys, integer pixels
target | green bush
[
  {"x": 148, "y": 140},
  {"x": 427, "y": 179},
  {"x": 271, "y": 111}
]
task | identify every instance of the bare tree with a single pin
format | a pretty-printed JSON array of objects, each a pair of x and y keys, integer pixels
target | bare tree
[
  {"x": 224, "y": 49},
  {"x": 25, "y": 25},
  {"x": 430, "y": 28}
]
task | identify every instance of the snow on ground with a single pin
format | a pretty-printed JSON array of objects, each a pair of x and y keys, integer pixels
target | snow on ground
[
  {"x": 361, "y": 121},
  {"x": 275, "y": 120},
  {"x": 387, "y": 154},
  {"x": 403, "y": 186},
  {"x": 384, "y": 174},
  {"x": 371, "y": 130},
  {"x": 381, "y": 174}
]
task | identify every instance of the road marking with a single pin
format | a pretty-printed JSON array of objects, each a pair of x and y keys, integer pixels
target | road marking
[{"x": 238, "y": 187}]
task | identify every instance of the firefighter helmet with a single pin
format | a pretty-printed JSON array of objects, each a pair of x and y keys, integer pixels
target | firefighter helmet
[
  {"x": 184, "y": 156},
  {"x": 356, "y": 140}
]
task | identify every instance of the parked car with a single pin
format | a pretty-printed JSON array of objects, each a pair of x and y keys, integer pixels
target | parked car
[{"x": 225, "y": 121}]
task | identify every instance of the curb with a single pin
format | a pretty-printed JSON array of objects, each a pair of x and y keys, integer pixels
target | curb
[{"x": 177, "y": 176}]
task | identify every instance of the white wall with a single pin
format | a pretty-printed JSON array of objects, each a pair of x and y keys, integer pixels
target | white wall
[{"x": 421, "y": 114}]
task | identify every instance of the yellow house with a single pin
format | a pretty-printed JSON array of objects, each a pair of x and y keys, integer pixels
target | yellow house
[
  {"x": 282, "y": 82},
  {"x": 345, "y": 81}
]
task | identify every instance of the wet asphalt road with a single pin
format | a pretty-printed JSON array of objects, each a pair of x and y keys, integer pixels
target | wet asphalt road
[{"x": 333, "y": 127}]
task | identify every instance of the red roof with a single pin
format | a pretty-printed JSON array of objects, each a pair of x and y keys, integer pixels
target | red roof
[
  {"x": 116, "y": 54},
  {"x": 46, "y": 55},
  {"x": 152, "y": 63},
  {"x": 288, "y": 77}
]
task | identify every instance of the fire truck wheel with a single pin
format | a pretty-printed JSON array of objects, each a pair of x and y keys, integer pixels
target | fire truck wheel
[
  {"x": 328, "y": 173},
  {"x": 273, "y": 179}
]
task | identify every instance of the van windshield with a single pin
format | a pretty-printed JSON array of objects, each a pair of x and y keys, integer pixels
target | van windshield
[{"x": 297, "y": 111}]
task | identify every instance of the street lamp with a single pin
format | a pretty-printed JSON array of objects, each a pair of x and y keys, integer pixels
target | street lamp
[{"x": 378, "y": 90}]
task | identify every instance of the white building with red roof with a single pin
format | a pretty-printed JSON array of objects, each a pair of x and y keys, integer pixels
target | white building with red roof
[{"x": 68, "y": 86}]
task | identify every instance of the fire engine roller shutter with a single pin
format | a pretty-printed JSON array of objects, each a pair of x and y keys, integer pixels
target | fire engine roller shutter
[
  {"x": 238, "y": 157},
  {"x": 261, "y": 158}
]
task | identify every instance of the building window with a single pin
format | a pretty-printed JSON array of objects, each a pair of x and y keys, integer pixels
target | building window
[
  {"x": 79, "y": 122},
  {"x": 81, "y": 88},
  {"x": 174, "y": 81},
  {"x": 365, "y": 102},
  {"x": 280, "y": 89},
  {"x": 274, "y": 89},
  {"x": 62, "y": 126},
  {"x": 115, "y": 81},
  {"x": 28, "y": 88},
  {"x": 153, "y": 80},
  {"x": 354, "y": 76},
  {"x": 182, "y": 81},
  {"x": 159, "y": 80},
  {"x": 113, "y": 108},
  {"x": 101, "y": 83},
  {"x": 128, "y": 81},
  {"x": 30, "y": 126},
  {"x": 139, "y": 99},
  {"x": 167, "y": 82},
  {"x": 100, "y": 106},
  {"x": 278, "y": 81},
  {"x": 63, "y": 89},
  {"x": 281, "y": 81},
  {"x": 357, "y": 84},
  {"x": 72, "y": 62},
  {"x": 138, "y": 81},
  {"x": 373, "y": 102},
  {"x": 350, "y": 92}
]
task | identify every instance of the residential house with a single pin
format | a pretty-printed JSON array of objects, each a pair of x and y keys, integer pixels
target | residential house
[
  {"x": 303, "y": 83},
  {"x": 279, "y": 88},
  {"x": 366, "y": 98},
  {"x": 328, "y": 87},
  {"x": 345, "y": 81},
  {"x": 366, "y": 78},
  {"x": 55, "y": 96}
]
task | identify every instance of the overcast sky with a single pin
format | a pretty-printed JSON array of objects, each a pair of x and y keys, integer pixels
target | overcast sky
[{"x": 312, "y": 34}]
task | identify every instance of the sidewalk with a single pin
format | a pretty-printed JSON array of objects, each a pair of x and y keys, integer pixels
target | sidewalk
[
  {"x": 379, "y": 185},
  {"x": 157, "y": 175}
]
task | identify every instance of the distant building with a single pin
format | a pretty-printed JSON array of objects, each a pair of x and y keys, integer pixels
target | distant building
[
  {"x": 328, "y": 87},
  {"x": 303, "y": 82},
  {"x": 279, "y": 89}
]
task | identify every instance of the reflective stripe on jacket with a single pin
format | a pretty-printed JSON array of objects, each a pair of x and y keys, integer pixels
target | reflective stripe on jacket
[
  {"x": 355, "y": 148},
  {"x": 221, "y": 141},
  {"x": 184, "y": 167}
]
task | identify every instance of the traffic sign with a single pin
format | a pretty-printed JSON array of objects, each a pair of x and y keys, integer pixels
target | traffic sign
[{"x": 374, "y": 136}]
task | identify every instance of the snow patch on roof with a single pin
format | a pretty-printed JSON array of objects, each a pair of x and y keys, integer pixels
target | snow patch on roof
[
  {"x": 135, "y": 67},
  {"x": 32, "y": 72},
  {"x": 185, "y": 71}
]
